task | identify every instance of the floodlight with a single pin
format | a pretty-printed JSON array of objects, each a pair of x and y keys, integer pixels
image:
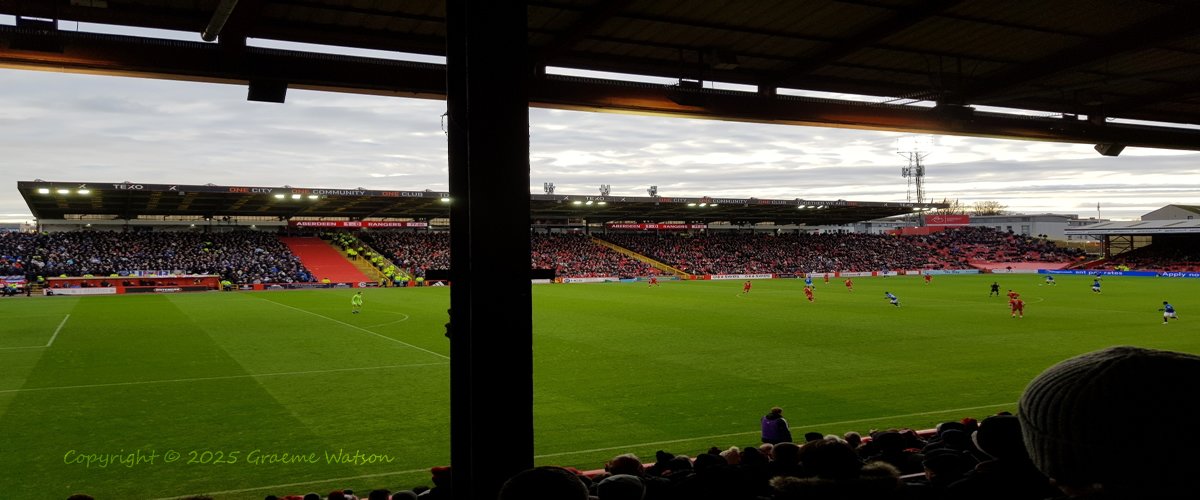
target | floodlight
[
  {"x": 280, "y": 196},
  {"x": 295, "y": 197},
  {"x": 64, "y": 191},
  {"x": 84, "y": 191},
  {"x": 43, "y": 191}
]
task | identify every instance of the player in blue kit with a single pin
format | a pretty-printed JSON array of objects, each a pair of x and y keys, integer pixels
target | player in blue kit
[
  {"x": 1168, "y": 311},
  {"x": 808, "y": 280},
  {"x": 1096, "y": 285},
  {"x": 892, "y": 298}
]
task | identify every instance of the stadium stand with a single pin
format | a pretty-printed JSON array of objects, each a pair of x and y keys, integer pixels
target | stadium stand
[
  {"x": 414, "y": 252},
  {"x": 324, "y": 260},
  {"x": 239, "y": 256},
  {"x": 575, "y": 254}
]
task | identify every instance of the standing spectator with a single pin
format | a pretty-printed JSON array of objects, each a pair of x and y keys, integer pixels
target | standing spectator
[{"x": 774, "y": 428}]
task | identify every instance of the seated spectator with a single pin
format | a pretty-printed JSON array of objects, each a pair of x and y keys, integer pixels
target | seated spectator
[
  {"x": 1009, "y": 474},
  {"x": 544, "y": 483},
  {"x": 1073, "y": 413}
]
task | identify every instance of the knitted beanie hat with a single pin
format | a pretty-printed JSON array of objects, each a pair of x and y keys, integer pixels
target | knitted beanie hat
[{"x": 1121, "y": 417}]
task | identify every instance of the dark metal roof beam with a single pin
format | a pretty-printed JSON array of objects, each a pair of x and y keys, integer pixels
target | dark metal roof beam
[
  {"x": 1147, "y": 34},
  {"x": 1174, "y": 93},
  {"x": 584, "y": 26},
  {"x": 899, "y": 21}
]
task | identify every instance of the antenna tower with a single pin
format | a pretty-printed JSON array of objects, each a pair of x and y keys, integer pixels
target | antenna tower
[{"x": 915, "y": 173}]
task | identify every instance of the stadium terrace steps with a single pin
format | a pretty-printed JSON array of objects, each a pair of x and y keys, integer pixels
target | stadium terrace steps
[
  {"x": 661, "y": 266},
  {"x": 323, "y": 260}
]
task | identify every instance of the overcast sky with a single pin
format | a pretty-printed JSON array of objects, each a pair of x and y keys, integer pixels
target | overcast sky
[{"x": 80, "y": 128}]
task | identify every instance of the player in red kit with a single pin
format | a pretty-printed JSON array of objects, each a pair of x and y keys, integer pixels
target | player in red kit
[
  {"x": 826, "y": 278},
  {"x": 746, "y": 287},
  {"x": 928, "y": 278},
  {"x": 849, "y": 285},
  {"x": 1013, "y": 295},
  {"x": 1017, "y": 307},
  {"x": 808, "y": 293},
  {"x": 653, "y": 280}
]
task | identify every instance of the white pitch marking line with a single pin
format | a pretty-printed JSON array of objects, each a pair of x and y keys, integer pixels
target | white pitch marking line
[
  {"x": 359, "y": 328},
  {"x": 48, "y": 344},
  {"x": 716, "y": 436},
  {"x": 56, "y": 330},
  {"x": 289, "y": 485},
  {"x": 226, "y": 377}
]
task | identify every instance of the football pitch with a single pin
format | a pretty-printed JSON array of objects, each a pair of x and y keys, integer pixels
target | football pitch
[{"x": 242, "y": 394}]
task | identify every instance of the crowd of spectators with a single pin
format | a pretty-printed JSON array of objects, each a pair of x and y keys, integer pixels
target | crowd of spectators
[
  {"x": 237, "y": 256},
  {"x": 763, "y": 253},
  {"x": 990, "y": 245},
  {"x": 251, "y": 256},
  {"x": 576, "y": 255},
  {"x": 415, "y": 252}
]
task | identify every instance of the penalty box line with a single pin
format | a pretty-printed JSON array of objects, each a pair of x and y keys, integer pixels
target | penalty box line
[
  {"x": 289, "y": 485},
  {"x": 48, "y": 343},
  {"x": 359, "y": 328},
  {"x": 226, "y": 377}
]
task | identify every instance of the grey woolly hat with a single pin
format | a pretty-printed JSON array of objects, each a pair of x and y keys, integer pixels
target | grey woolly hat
[
  {"x": 621, "y": 487},
  {"x": 1085, "y": 421}
]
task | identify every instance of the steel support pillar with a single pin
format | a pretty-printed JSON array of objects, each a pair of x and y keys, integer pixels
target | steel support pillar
[{"x": 491, "y": 345}]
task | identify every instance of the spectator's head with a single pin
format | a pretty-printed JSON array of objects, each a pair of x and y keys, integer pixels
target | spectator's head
[
  {"x": 788, "y": 453},
  {"x": 1000, "y": 437},
  {"x": 621, "y": 487},
  {"x": 732, "y": 456},
  {"x": 679, "y": 464},
  {"x": 753, "y": 456},
  {"x": 379, "y": 495},
  {"x": 776, "y": 410},
  {"x": 944, "y": 466},
  {"x": 404, "y": 495},
  {"x": 312, "y": 496},
  {"x": 544, "y": 482},
  {"x": 706, "y": 461},
  {"x": 80, "y": 496},
  {"x": 1073, "y": 417},
  {"x": 853, "y": 439},
  {"x": 625, "y": 464},
  {"x": 813, "y": 436},
  {"x": 767, "y": 449},
  {"x": 830, "y": 459},
  {"x": 889, "y": 442},
  {"x": 661, "y": 458},
  {"x": 951, "y": 425}
]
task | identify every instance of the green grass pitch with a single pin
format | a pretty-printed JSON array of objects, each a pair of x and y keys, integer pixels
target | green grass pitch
[{"x": 245, "y": 377}]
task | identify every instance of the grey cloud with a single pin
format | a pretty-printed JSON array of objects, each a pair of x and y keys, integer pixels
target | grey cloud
[{"x": 98, "y": 129}]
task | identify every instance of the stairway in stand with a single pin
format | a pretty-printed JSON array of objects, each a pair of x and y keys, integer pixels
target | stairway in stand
[{"x": 323, "y": 260}]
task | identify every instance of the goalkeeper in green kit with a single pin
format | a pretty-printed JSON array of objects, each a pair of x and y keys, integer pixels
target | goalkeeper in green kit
[{"x": 356, "y": 302}]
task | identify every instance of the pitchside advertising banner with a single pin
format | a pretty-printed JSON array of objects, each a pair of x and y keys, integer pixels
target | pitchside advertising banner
[
  {"x": 1092, "y": 272},
  {"x": 947, "y": 220},
  {"x": 365, "y": 223},
  {"x": 740, "y": 276},
  {"x": 654, "y": 227}
]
